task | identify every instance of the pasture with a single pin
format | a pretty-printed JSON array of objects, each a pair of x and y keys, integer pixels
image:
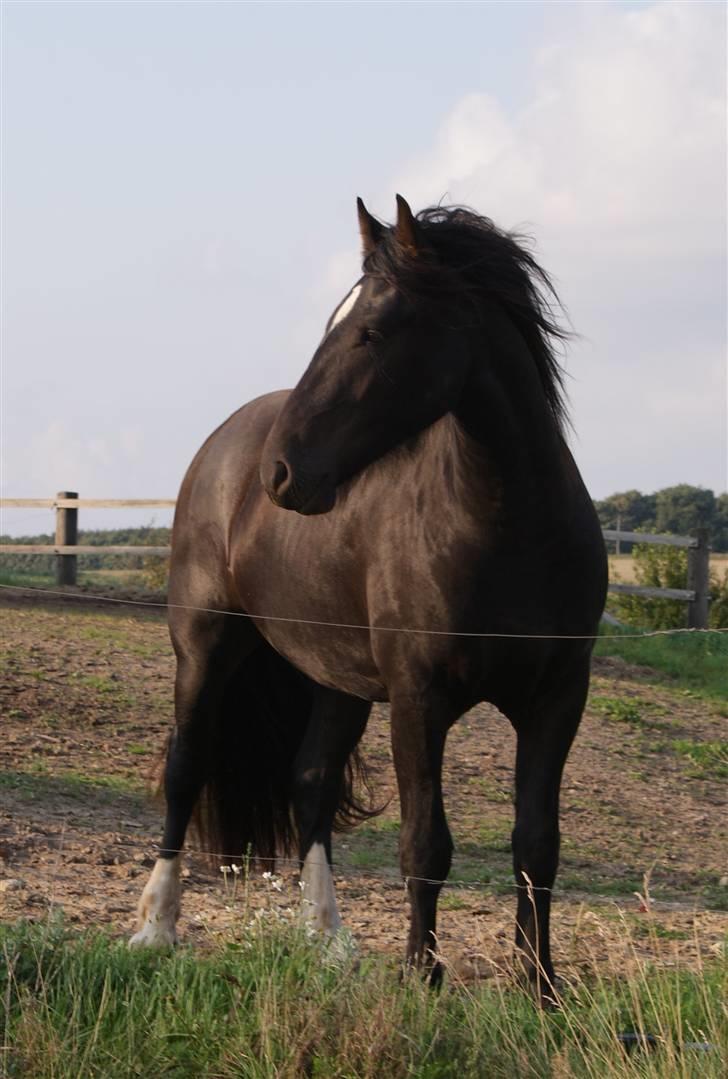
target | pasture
[
  {"x": 86, "y": 700},
  {"x": 622, "y": 567}
]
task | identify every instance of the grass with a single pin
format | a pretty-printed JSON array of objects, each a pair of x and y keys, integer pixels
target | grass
[
  {"x": 38, "y": 785},
  {"x": 697, "y": 662},
  {"x": 99, "y": 580},
  {"x": 26, "y": 580},
  {"x": 272, "y": 1002},
  {"x": 371, "y": 846},
  {"x": 621, "y": 709},
  {"x": 709, "y": 760}
]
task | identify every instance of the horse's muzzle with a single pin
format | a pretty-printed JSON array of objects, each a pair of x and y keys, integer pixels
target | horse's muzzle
[{"x": 307, "y": 494}]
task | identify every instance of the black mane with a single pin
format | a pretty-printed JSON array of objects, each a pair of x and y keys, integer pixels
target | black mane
[{"x": 467, "y": 257}]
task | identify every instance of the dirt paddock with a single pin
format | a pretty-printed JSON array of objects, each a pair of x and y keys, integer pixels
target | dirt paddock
[{"x": 85, "y": 695}]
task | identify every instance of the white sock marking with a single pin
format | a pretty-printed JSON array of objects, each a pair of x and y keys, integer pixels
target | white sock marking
[
  {"x": 345, "y": 308},
  {"x": 319, "y": 897},
  {"x": 159, "y": 906}
]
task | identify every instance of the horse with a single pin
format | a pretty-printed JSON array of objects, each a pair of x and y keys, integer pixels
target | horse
[{"x": 407, "y": 525}]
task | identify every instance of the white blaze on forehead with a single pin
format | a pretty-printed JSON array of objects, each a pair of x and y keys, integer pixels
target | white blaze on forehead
[
  {"x": 345, "y": 307},
  {"x": 319, "y": 898}
]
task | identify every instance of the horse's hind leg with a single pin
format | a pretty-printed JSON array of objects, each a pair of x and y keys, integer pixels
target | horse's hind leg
[
  {"x": 337, "y": 723},
  {"x": 208, "y": 651},
  {"x": 544, "y": 740}
]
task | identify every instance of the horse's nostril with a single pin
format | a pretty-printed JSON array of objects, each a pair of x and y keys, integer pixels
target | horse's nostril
[{"x": 281, "y": 476}]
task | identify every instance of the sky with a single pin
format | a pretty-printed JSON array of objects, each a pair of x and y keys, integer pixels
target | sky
[{"x": 178, "y": 199}]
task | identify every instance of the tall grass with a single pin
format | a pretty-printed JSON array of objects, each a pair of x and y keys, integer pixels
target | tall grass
[
  {"x": 275, "y": 1002},
  {"x": 694, "y": 661}
]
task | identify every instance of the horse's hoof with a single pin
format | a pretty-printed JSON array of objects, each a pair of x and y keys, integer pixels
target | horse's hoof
[
  {"x": 431, "y": 974},
  {"x": 548, "y": 993},
  {"x": 341, "y": 948},
  {"x": 153, "y": 936}
]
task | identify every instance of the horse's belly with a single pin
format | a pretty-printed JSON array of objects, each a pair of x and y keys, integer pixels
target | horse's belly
[{"x": 339, "y": 658}]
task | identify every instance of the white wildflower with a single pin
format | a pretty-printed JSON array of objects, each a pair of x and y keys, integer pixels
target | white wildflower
[{"x": 275, "y": 882}]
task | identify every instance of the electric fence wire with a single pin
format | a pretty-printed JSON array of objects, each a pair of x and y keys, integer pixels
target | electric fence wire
[{"x": 359, "y": 626}]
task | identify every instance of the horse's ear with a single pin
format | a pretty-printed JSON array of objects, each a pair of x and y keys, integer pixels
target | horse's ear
[
  {"x": 371, "y": 230},
  {"x": 407, "y": 231}
]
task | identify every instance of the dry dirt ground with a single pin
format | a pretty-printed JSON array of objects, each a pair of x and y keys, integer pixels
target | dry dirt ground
[{"x": 85, "y": 696}]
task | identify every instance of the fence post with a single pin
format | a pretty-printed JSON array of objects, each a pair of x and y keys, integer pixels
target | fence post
[
  {"x": 66, "y": 536},
  {"x": 699, "y": 579}
]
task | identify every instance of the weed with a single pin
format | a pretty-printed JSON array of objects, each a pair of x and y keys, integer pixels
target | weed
[
  {"x": 451, "y": 900},
  {"x": 709, "y": 759},
  {"x": 491, "y": 791},
  {"x": 628, "y": 710}
]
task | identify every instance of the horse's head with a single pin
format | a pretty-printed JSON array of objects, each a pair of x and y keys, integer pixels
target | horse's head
[{"x": 387, "y": 367}]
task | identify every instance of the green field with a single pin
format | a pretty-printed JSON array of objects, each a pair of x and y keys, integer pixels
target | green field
[{"x": 274, "y": 1003}]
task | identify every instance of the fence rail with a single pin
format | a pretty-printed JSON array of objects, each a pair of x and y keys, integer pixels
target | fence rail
[
  {"x": 81, "y": 548},
  {"x": 66, "y": 548},
  {"x": 648, "y": 537},
  {"x": 71, "y": 502}
]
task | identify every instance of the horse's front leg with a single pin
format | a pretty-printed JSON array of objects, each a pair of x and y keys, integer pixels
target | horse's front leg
[
  {"x": 419, "y": 730},
  {"x": 544, "y": 740}
]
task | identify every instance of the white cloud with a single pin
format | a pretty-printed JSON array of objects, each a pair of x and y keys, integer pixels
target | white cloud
[
  {"x": 618, "y": 165},
  {"x": 624, "y": 138}
]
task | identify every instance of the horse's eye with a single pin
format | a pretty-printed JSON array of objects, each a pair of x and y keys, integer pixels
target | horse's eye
[{"x": 368, "y": 335}]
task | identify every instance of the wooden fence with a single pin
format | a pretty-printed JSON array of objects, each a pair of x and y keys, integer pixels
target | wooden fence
[{"x": 66, "y": 548}]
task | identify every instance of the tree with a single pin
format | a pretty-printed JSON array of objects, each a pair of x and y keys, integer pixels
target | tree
[
  {"x": 682, "y": 508},
  {"x": 719, "y": 527}
]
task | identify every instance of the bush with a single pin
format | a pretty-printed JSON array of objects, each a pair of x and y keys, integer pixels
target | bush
[
  {"x": 156, "y": 573},
  {"x": 718, "y": 615},
  {"x": 655, "y": 567},
  {"x": 667, "y": 567}
]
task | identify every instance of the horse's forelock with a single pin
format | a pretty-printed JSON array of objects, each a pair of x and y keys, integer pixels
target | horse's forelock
[{"x": 464, "y": 258}]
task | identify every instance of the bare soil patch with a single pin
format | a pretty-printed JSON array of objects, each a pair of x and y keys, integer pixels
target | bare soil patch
[{"x": 86, "y": 701}]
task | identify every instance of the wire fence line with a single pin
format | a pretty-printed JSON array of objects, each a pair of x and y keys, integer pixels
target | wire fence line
[
  {"x": 242, "y": 866},
  {"x": 359, "y": 626},
  {"x": 341, "y": 868}
]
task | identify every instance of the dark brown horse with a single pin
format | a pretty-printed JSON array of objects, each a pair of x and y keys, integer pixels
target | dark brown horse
[{"x": 442, "y": 551}]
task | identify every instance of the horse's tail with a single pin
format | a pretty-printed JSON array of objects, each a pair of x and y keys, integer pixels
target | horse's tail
[{"x": 244, "y": 812}]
